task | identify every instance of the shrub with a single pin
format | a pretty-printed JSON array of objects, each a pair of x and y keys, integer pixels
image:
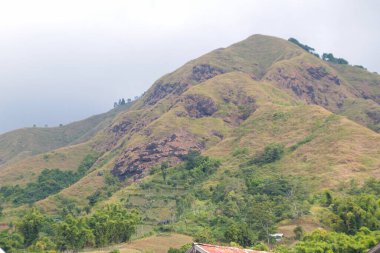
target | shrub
[
  {"x": 298, "y": 233},
  {"x": 271, "y": 153}
]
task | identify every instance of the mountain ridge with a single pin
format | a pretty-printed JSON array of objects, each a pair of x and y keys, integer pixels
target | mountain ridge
[{"x": 230, "y": 104}]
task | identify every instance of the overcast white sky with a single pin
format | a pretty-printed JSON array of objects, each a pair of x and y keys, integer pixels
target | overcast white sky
[{"x": 62, "y": 61}]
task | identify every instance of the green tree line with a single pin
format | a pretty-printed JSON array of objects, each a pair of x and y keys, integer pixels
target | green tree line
[{"x": 39, "y": 233}]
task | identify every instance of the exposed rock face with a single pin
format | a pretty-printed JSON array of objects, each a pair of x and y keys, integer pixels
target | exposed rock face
[
  {"x": 317, "y": 72},
  {"x": 116, "y": 131},
  {"x": 199, "y": 74},
  {"x": 246, "y": 105},
  {"x": 123, "y": 126},
  {"x": 313, "y": 84},
  {"x": 198, "y": 106},
  {"x": 204, "y": 72},
  {"x": 163, "y": 89},
  {"x": 134, "y": 162},
  {"x": 320, "y": 72},
  {"x": 126, "y": 126},
  {"x": 374, "y": 115},
  {"x": 364, "y": 91}
]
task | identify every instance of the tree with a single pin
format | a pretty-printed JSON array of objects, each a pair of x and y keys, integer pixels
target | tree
[
  {"x": 329, "y": 198},
  {"x": 30, "y": 226},
  {"x": 74, "y": 234},
  {"x": 164, "y": 169},
  {"x": 349, "y": 213},
  {"x": 11, "y": 241},
  {"x": 330, "y": 58},
  {"x": 262, "y": 219},
  {"x": 43, "y": 244},
  {"x": 183, "y": 203},
  {"x": 298, "y": 233},
  {"x": 204, "y": 236},
  {"x": 304, "y": 47},
  {"x": 113, "y": 224},
  {"x": 326, "y": 242},
  {"x": 239, "y": 233}
]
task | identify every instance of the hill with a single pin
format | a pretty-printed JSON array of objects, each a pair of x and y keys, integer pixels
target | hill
[
  {"x": 260, "y": 125},
  {"x": 22, "y": 143}
]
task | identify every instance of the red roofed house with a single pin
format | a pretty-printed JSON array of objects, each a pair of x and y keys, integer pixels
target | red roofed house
[{"x": 208, "y": 248}]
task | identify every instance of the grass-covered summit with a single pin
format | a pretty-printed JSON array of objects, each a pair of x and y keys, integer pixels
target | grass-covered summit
[{"x": 261, "y": 124}]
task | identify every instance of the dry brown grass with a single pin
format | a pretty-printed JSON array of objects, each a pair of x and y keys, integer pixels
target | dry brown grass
[
  {"x": 156, "y": 243},
  {"x": 27, "y": 170}
]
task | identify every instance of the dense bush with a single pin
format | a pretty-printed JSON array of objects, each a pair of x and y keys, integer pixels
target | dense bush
[
  {"x": 325, "y": 242},
  {"x": 113, "y": 224},
  {"x": 271, "y": 153},
  {"x": 348, "y": 214},
  {"x": 73, "y": 234},
  {"x": 195, "y": 169}
]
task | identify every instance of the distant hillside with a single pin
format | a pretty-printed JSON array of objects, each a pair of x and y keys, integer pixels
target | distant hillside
[{"x": 22, "y": 143}]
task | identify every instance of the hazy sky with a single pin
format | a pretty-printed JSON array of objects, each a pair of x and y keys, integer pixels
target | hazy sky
[{"x": 61, "y": 61}]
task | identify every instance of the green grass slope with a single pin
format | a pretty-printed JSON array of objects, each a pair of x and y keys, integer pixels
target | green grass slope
[{"x": 26, "y": 142}]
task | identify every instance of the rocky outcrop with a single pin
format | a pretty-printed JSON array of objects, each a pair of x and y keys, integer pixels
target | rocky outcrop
[
  {"x": 204, "y": 72},
  {"x": 135, "y": 161},
  {"x": 319, "y": 73},
  {"x": 122, "y": 127},
  {"x": 161, "y": 90},
  {"x": 245, "y": 106},
  {"x": 374, "y": 115},
  {"x": 198, "y": 106},
  {"x": 126, "y": 126},
  {"x": 313, "y": 84}
]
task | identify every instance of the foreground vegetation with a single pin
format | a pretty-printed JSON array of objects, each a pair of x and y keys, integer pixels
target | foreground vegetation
[
  {"x": 37, "y": 232},
  {"x": 243, "y": 207},
  {"x": 240, "y": 207}
]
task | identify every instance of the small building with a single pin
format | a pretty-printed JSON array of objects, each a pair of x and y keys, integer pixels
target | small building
[{"x": 208, "y": 248}]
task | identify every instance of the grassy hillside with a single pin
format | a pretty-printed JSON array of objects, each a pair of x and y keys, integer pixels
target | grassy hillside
[
  {"x": 338, "y": 88},
  {"x": 322, "y": 148},
  {"x": 273, "y": 127},
  {"x": 27, "y": 170},
  {"x": 26, "y": 142}
]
